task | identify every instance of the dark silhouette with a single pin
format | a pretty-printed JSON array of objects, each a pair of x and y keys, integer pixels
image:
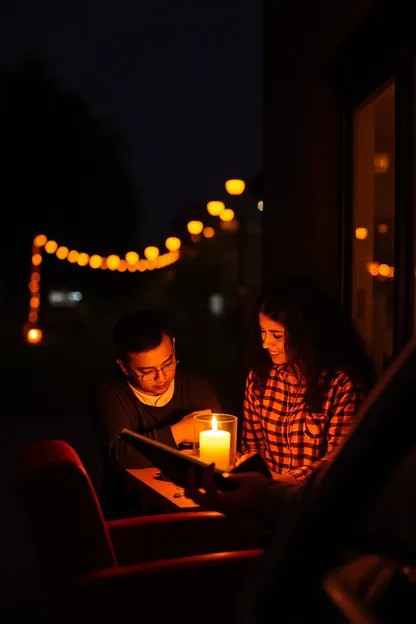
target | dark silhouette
[{"x": 65, "y": 174}]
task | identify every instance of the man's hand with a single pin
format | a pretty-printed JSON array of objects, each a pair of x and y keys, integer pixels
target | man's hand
[
  {"x": 242, "y": 499},
  {"x": 183, "y": 431}
]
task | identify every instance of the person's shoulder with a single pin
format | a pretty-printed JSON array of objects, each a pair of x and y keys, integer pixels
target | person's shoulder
[{"x": 342, "y": 380}]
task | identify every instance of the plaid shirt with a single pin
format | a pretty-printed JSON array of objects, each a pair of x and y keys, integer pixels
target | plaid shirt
[{"x": 280, "y": 426}]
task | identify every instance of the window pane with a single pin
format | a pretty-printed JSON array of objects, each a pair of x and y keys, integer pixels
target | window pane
[{"x": 373, "y": 247}]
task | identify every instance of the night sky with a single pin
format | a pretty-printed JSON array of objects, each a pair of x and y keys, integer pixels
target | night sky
[{"x": 181, "y": 79}]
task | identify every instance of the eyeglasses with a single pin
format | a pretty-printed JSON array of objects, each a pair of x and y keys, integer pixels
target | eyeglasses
[{"x": 152, "y": 374}]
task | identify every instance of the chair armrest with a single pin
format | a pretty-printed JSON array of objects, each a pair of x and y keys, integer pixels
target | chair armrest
[
  {"x": 165, "y": 536},
  {"x": 203, "y": 589}
]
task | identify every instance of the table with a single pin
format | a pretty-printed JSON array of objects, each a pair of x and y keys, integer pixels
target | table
[{"x": 159, "y": 494}]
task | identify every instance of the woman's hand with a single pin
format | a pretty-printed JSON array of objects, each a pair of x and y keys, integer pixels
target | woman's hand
[
  {"x": 242, "y": 499},
  {"x": 286, "y": 478}
]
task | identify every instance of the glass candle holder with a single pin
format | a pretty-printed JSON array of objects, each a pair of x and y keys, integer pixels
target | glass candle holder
[{"x": 215, "y": 439}]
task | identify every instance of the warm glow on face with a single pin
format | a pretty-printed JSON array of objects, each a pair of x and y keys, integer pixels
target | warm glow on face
[
  {"x": 214, "y": 423},
  {"x": 235, "y": 187},
  {"x": 34, "y": 336},
  {"x": 215, "y": 208}
]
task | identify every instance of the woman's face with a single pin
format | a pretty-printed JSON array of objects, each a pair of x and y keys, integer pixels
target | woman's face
[{"x": 273, "y": 338}]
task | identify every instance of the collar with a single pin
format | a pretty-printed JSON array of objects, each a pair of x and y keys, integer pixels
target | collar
[{"x": 151, "y": 399}]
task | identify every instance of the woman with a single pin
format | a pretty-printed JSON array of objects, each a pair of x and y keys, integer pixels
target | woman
[{"x": 303, "y": 393}]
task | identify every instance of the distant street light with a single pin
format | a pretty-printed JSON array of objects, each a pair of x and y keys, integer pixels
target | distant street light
[
  {"x": 34, "y": 335},
  {"x": 227, "y": 215},
  {"x": 173, "y": 243},
  {"x": 215, "y": 208},
  {"x": 209, "y": 232},
  {"x": 235, "y": 187},
  {"x": 151, "y": 252},
  {"x": 195, "y": 227}
]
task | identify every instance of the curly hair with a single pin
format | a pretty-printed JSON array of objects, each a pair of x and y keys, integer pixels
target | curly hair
[{"x": 320, "y": 337}]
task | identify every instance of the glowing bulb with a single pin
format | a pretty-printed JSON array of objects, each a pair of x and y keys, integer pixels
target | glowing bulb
[
  {"x": 51, "y": 246},
  {"x": 361, "y": 233},
  {"x": 83, "y": 259},
  {"x": 195, "y": 227},
  {"x": 132, "y": 257},
  {"x": 40, "y": 240},
  {"x": 62, "y": 253},
  {"x": 113, "y": 262},
  {"x": 235, "y": 187},
  {"x": 227, "y": 215},
  {"x": 73, "y": 256},
  {"x": 215, "y": 208},
  {"x": 209, "y": 232},
  {"x": 34, "y": 335},
  {"x": 151, "y": 252},
  {"x": 95, "y": 261},
  {"x": 173, "y": 243}
]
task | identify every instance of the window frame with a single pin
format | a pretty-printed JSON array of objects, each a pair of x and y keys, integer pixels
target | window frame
[{"x": 381, "y": 52}]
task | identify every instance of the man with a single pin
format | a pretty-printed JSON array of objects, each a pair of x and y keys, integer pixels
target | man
[{"x": 150, "y": 394}]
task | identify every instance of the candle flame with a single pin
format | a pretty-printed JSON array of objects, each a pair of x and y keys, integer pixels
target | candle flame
[{"x": 214, "y": 423}]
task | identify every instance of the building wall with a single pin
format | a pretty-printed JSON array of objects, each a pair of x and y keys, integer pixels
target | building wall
[{"x": 302, "y": 138}]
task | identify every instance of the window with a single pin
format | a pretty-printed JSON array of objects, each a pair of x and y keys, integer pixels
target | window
[{"x": 374, "y": 223}]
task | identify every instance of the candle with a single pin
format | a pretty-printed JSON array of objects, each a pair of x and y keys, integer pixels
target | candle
[{"x": 214, "y": 446}]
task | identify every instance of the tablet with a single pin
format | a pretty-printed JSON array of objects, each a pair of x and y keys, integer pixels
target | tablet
[{"x": 174, "y": 464}]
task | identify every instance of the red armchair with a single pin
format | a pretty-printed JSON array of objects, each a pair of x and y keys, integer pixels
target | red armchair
[{"x": 152, "y": 564}]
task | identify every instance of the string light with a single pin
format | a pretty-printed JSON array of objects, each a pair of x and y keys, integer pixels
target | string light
[{"x": 131, "y": 262}]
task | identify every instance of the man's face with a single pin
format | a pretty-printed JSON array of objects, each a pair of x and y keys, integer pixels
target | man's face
[{"x": 151, "y": 371}]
